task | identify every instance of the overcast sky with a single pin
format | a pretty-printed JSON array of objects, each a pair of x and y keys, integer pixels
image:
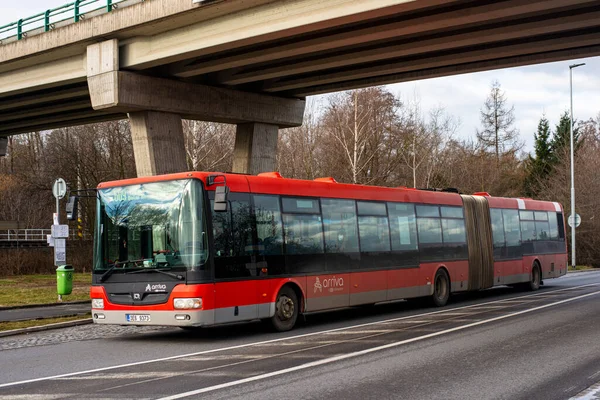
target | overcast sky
[{"x": 533, "y": 90}]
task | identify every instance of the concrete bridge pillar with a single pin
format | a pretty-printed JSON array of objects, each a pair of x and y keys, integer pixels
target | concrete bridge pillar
[
  {"x": 158, "y": 143},
  {"x": 255, "y": 148}
]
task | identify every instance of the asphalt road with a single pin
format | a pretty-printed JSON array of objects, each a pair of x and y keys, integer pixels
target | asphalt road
[{"x": 495, "y": 344}]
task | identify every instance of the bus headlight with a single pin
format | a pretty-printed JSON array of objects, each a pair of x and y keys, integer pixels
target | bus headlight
[
  {"x": 97, "y": 303},
  {"x": 187, "y": 303}
]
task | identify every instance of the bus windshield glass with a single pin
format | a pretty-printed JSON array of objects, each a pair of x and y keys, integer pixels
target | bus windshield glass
[{"x": 151, "y": 225}]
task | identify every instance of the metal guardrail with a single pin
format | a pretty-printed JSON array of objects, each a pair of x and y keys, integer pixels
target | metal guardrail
[
  {"x": 30, "y": 235},
  {"x": 47, "y": 20}
]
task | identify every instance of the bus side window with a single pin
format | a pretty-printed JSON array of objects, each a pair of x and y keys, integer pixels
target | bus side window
[
  {"x": 512, "y": 230},
  {"x": 373, "y": 227},
  {"x": 303, "y": 230},
  {"x": 403, "y": 225},
  {"x": 552, "y": 221},
  {"x": 339, "y": 220},
  {"x": 268, "y": 224},
  {"x": 561, "y": 226}
]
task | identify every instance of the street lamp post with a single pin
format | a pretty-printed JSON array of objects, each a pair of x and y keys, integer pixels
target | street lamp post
[{"x": 572, "y": 169}]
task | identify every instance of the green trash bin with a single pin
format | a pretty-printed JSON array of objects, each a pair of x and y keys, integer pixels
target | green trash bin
[{"x": 64, "y": 279}]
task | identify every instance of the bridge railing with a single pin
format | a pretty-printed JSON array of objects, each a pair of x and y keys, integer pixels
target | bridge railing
[
  {"x": 54, "y": 17},
  {"x": 30, "y": 235}
]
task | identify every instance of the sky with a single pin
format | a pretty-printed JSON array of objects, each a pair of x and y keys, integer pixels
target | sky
[{"x": 533, "y": 90}]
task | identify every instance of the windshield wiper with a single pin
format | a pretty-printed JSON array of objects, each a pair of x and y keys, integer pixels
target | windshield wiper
[
  {"x": 109, "y": 271},
  {"x": 159, "y": 270}
]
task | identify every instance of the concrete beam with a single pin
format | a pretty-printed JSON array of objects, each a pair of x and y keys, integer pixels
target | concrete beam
[
  {"x": 310, "y": 14},
  {"x": 271, "y": 21},
  {"x": 44, "y": 97},
  {"x": 40, "y": 76},
  {"x": 394, "y": 66},
  {"x": 418, "y": 46},
  {"x": 128, "y": 91},
  {"x": 255, "y": 148},
  {"x": 158, "y": 143},
  {"x": 41, "y": 112},
  {"x": 455, "y": 69}
]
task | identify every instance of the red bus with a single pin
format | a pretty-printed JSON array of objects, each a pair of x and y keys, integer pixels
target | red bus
[{"x": 197, "y": 249}]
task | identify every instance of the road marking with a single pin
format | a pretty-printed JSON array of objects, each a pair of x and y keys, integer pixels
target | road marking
[
  {"x": 170, "y": 358},
  {"x": 363, "y": 352},
  {"x": 594, "y": 375},
  {"x": 591, "y": 393}
]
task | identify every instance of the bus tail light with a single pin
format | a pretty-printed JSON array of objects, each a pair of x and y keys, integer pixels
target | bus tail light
[{"x": 187, "y": 303}]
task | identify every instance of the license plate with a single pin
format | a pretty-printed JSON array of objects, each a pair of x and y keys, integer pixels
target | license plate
[{"x": 137, "y": 317}]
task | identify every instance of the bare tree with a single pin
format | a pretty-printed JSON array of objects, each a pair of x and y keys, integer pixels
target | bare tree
[
  {"x": 299, "y": 148},
  {"x": 498, "y": 120},
  {"x": 358, "y": 129},
  {"x": 209, "y": 145}
]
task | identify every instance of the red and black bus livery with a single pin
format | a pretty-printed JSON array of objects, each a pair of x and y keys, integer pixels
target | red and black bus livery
[{"x": 281, "y": 247}]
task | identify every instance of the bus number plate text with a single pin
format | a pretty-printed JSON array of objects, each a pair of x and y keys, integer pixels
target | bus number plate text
[{"x": 137, "y": 317}]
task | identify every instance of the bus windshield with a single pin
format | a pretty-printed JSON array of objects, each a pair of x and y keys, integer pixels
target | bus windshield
[{"x": 151, "y": 225}]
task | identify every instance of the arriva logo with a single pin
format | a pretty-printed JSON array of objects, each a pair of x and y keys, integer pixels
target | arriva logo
[
  {"x": 156, "y": 288},
  {"x": 318, "y": 285},
  {"x": 333, "y": 284}
]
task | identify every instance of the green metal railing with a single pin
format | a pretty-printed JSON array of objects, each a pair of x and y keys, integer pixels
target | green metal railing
[{"x": 73, "y": 11}]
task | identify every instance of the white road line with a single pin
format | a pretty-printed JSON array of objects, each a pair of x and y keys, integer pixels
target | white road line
[
  {"x": 594, "y": 375},
  {"x": 363, "y": 352},
  {"x": 132, "y": 364},
  {"x": 591, "y": 393}
]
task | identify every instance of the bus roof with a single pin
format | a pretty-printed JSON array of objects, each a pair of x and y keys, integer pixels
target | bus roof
[{"x": 273, "y": 183}]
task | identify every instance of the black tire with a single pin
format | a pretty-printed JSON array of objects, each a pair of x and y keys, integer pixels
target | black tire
[
  {"x": 536, "y": 278},
  {"x": 441, "y": 288},
  {"x": 286, "y": 310}
]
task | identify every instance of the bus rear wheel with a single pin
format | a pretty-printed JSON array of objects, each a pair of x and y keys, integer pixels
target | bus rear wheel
[
  {"x": 536, "y": 278},
  {"x": 286, "y": 310},
  {"x": 441, "y": 288}
]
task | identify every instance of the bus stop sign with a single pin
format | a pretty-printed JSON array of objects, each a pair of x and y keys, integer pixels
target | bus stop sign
[
  {"x": 577, "y": 220},
  {"x": 59, "y": 189}
]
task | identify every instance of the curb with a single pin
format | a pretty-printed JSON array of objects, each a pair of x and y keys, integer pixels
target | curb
[
  {"x": 48, "y": 327},
  {"x": 583, "y": 270},
  {"x": 44, "y": 305}
]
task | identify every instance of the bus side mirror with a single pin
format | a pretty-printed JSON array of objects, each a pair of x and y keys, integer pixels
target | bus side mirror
[
  {"x": 72, "y": 208},
  {"x": 221, "y": 193}
]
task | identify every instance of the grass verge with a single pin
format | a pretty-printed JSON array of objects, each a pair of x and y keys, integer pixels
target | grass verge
[
  {"x": 8, "y": 326},
  {"x": 582, "y": 268},
  {"x": 40, "y": 289}
]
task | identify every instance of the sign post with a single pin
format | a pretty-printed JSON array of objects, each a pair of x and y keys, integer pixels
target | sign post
[{"x": 59, "y": 232}]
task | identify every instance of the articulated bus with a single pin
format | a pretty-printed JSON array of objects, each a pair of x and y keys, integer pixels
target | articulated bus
[{"x": 198, "y": 249}]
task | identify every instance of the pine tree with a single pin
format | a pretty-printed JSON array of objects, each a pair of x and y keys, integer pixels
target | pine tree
[
  {"x": 497, "y": 120},
  {"x": 539, "y": 166},
  {"x": 561, "y": 141}
]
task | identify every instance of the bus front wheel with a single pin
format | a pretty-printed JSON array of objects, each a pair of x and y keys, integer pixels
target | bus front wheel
[
  {"x": 286, "y": 310},
  {"x": 441, "y": 288}
]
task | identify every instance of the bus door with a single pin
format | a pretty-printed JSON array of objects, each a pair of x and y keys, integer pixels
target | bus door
[{"x": 236, "y": 284}]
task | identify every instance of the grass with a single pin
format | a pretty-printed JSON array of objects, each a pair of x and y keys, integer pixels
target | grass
[
  {"x": 40, "y": 289},
  {"x": 581, "y": 268},
  {"x": 7, "y": 326}
]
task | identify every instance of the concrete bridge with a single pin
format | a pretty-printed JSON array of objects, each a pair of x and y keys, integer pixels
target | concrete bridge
[{"x": 252, "y": 62}]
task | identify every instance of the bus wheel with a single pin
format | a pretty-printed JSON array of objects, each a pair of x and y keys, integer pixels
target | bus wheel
[
  {"x": 286, "y": 310},
  {"x": 441, "y": 288},
  {"x": 536, "y": 277}
]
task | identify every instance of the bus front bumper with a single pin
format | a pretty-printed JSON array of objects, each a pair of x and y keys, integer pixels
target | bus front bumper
[{"x": 146, "y": 317}]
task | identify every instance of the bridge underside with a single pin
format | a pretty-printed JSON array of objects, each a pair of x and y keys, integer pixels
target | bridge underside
[{"x": 278, "y": 51}]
